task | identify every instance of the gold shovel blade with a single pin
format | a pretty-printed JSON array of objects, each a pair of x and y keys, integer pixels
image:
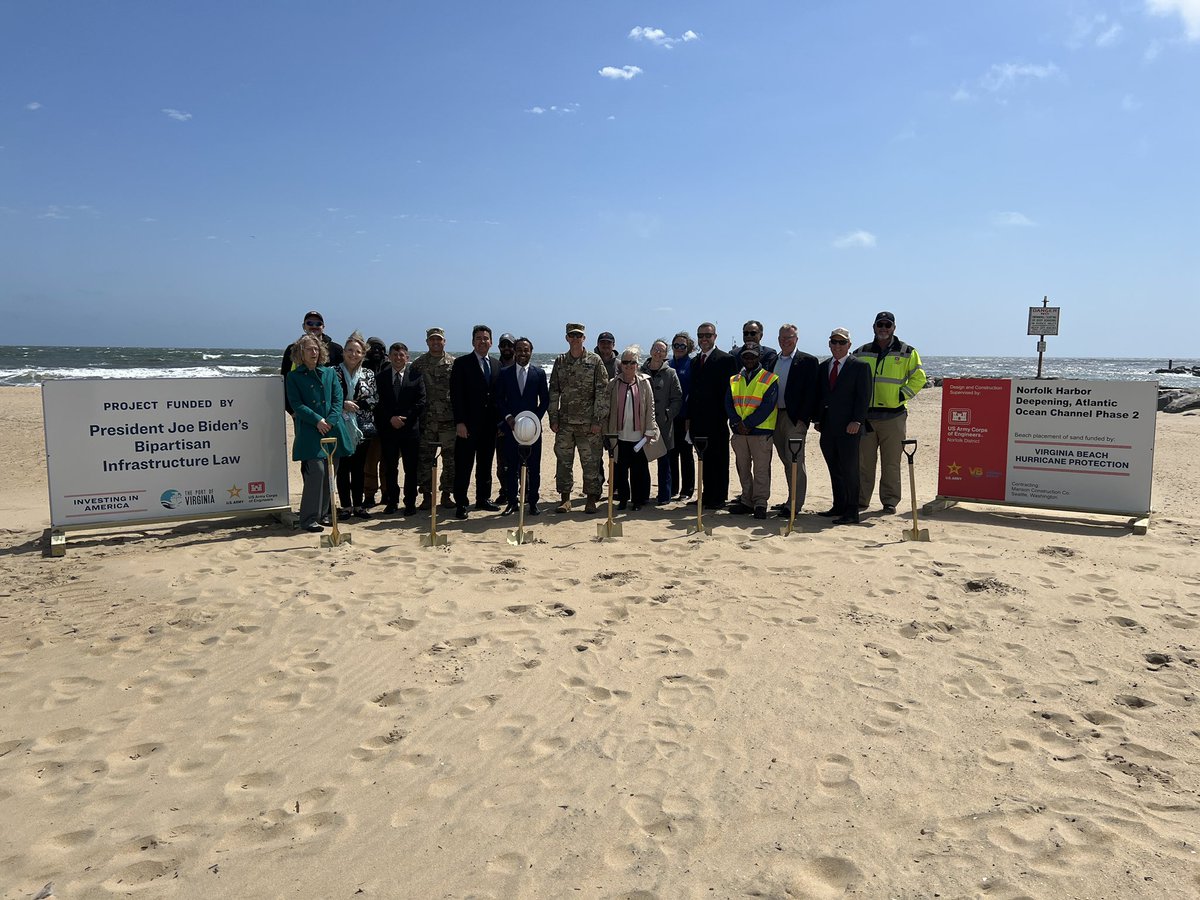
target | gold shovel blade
[
  {"x": 433, "y": 540},
  {"x": 697, "y": 530},
  {"x": 336, "y": 539},
  {"x": 606, "y": 530},
  {"x": 912, "y": 534},
  {"x": 518, "y": 536}
]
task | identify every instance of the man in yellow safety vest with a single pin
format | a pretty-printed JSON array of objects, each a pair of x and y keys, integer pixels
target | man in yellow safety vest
[{"x": 751, "y": 403}]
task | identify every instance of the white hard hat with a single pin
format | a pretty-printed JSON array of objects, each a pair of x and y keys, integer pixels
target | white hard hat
[{"x": 527, "y": 428}]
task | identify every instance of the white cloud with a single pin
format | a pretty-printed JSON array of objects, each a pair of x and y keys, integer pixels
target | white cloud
[
  {"x": 1012, "y": 220},
  {"x": 1097, "y": 30},
  {"x": 858, "y": 238},
  {"x": 57, "y": 211},
  {"x": 33, "y": 105},
  {"x": 1003, "y": 76},
  {"x": 622, "y": 74},
  {"x": 659, "y": 38},
  {"x": 177, "y": 115},
  {"x": 564, "y": 110},
  {"x": 536, "y": 110},
  {"x": 1188, "y": 10},
  {"x": 1109, "y": 36}
]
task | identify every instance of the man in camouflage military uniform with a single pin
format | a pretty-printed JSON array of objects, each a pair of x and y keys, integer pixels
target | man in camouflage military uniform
[
  {"x": 578, "y": 406},
  {"x": 437, "y": 424}
]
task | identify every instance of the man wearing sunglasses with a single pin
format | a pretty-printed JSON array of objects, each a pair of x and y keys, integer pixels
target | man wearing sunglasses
[
  {"x": 898, "y": 376},
  {"x": 752, "y": 332},
  {"x": 844, "y": 392},
  {"x": 712, "y": 368},
  {"x": 314, "y": 324}
]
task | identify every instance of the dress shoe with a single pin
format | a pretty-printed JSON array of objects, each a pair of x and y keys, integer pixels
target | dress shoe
[
  {"x": 740, "y": 508},
  {"x": 621, "y": 504},
  {"x": 326, "y": 521},
  {"x": 369, "y": 501},
  {"x": 447, "y": 500},
  {"x": 410, "y": 509},
  {"x": 502, "y": 499},
  {"x": 889, "y": 510},
  {"x": 486, "y": 506},
  {"x": 533, "y": 510},
  {"x": 829, "y": 513},
  {"x": 782, "y": 507},
  {"x": 345, "y": 512},
  {"x": 661, "y": 500},
  {"x": 760, "y": 512},
  {"x": 390, "y": 509},
  {"x": 713, "y": 506},
  {"x": 510, "y": 509},
  {"x": 313, "y": 527},
  {"x": 786, "y": 513},
  {"x": 686, "y": 495},
  {"x": 426, "y": 503},
  {"x": 460, "y": 512},
  {"x": 636, "y": 507},
  {"x": 361, "y": 512},
  {"x": 846, "y": 520}
]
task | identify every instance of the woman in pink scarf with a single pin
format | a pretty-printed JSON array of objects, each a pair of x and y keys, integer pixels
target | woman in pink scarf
[{"x": 631, "y": 419}]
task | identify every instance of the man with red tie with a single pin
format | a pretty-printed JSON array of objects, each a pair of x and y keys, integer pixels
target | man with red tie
[{"x": 844, "y": 393}]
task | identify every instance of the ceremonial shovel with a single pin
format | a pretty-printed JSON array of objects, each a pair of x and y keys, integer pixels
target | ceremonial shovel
[
  {"x": 519, "y": 535},
  {"x": 433, "y": 539},
  {"x": 701, "y": 444},
  {"x": 610, "y": 529},
  {"x": 334, "y": 538},
  {"x": 795, "y": 447},
  {"x": 916, "y": 534}
]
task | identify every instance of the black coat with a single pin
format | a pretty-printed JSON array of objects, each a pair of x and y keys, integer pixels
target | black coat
[
  {"x": 710, "y": 384},
  {"x": 472, "y": 396},
  {"x": 800, "y": 397},
  {"x": 409, "y": 402},
  {"x": 848, "y": 400}
]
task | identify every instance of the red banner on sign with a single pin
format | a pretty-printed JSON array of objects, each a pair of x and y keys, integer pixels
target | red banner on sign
[{"x": 975, "y": 429}]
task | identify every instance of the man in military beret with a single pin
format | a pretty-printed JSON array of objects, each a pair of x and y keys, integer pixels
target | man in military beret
[{"x": 578, "y": 406}]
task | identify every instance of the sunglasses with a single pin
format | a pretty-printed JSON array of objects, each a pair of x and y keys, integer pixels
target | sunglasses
[
  {"x": 838, "y": 341},
  {"x": 629, "y": 362},
  {"x": 313, "y": 324},
  {"x": 706, "y": 334},
  {"x": 679, "y": 346},
  {"x": 750, "y": 333},
  {"x": 885, "y": 324}
]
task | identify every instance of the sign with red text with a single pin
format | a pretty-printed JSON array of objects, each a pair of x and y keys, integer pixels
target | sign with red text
[
  {"x": 152, "y": 449},
  {"x": 1085, "y": 445}
]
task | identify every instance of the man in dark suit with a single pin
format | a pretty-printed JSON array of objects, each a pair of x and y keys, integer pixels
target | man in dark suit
[
  {"x": 473, "y": 400},
  {"x": 844, "y": 393},
  {"x": 797, "y": 373},
  {"x": 398, "y": 419},
  {"x": 752, "y": 332},
  {"x": 712, "y": 368},
  {"x": 522, "y": 388}
]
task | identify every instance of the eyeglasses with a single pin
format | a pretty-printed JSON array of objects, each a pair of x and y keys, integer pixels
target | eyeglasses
[
  {"x": 310, "y": 323},
  {"x": 885, "y": 324},
  {"x": 838, "y": 341},
  {"x": 629, "y": 362},
  {"x": 679, "y": 346},
  {"x": 706, "y": 334},
  {"x": 750, "y": 333}
]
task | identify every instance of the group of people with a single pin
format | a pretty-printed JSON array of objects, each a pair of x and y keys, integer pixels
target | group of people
[{"x": 685, "y": 400}]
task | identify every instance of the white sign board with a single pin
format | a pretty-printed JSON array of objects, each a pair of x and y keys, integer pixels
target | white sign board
[
  {"x": 1085, "y": 445},
  {"x": 149, "y": 449},
  {"x": 1043, "y": 320}
]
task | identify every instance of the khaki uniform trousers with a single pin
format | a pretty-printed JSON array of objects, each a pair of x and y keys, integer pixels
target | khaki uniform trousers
[
  {"x": 442, "y": 433},
  {"x": 591, "y": 456},
  {"x": 752, "y": 455},
  {"x": 884, "y": 441},
  {"x": 785, "y": 428}
]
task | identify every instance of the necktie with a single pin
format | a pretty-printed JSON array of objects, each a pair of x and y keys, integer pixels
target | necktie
[
  {"x": 703, "y": 357},
  {"x": 397, "y": 381},
  {"x": 833, "y": 373},
  {"x": 521, "y": 379},
  {"x": 483, "y": 366}
]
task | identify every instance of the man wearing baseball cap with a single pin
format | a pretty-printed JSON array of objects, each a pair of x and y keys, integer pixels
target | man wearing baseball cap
[
  {"x": 844, "y": 391},
  {"x": 897, "y": 376},
  {"x": 313, "y": 323}
]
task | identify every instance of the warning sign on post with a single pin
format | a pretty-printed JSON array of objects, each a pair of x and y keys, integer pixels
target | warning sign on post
[
  {"x": 1085, "y": 445},
  {"x": 1043, "y": 320}
]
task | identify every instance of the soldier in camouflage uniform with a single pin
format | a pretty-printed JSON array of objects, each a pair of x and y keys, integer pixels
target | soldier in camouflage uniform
[
  {"x": 578, "y": 406},
  {"x": 437, "y": 424}
]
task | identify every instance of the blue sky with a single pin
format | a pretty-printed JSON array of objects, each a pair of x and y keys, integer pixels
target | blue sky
[{"x": 190, "y": 174}]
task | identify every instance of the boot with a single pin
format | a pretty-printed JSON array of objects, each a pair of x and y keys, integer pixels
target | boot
[
  {"x": 448, "y": 501},
  {"x": 426, "y": 502},
  {"x": 565, "y": 506},
  {"x": 591, "y": 503}
]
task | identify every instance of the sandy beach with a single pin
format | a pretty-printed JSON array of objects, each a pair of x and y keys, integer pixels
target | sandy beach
[{"x": 225, "y": 710}]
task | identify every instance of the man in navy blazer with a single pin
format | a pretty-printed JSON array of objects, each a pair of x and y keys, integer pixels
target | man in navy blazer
[
  {"x": 398, "y": 421},
  {"x": 844, "y": 393},
  {"x": 797, "y": 373},
  {"x": 511, "y": 399},
  {"x": 473, "y": 401}
]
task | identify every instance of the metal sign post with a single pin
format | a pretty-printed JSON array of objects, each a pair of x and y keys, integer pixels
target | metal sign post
[
  {"x": 1043, "y": 320},
  {"x": 795, "y": 448},
  {"x": 433, "y": 539},
  {"x": 608, "y": 530},
  {"x": 334, "y": 538},
  {"x": 701, "y": 444}
]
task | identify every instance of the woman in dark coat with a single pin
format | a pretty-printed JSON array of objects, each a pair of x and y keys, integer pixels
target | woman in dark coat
[
  {"x": 315, "y": 397},
  {"x": 361, "y": 395}
]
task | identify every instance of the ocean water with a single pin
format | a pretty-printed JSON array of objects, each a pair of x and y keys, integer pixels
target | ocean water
[{"x": 33, "y": 365}]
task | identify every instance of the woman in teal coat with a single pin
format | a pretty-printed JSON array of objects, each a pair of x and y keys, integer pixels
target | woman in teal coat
[{"x": 315, "y": 397}]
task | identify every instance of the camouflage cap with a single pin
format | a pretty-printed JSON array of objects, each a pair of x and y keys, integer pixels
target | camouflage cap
[
  {"x": 435, "y": 332},
  {"x": 575, "y": 328}
]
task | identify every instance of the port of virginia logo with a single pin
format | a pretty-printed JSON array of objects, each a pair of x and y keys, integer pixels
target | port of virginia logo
[{"x": 175, "y": 499}]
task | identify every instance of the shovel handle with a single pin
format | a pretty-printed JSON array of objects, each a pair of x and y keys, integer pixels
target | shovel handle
[{"x": 911, "y": 442}]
